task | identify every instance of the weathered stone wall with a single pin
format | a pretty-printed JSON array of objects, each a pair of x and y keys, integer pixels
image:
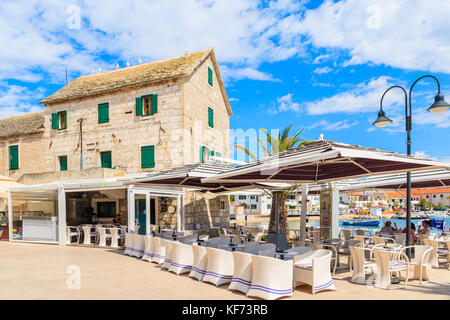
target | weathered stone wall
[
  {"x": 31, "y": 155},
  {"x": 123, "y": 135},
  {"x": 206, "y": 210},
  {"x": 198, "y": 95}
]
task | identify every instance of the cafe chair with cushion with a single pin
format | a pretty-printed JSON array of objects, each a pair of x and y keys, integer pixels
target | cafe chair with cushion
[
  {"x": 220, "y": 266},
  {"x": 360, "y": 264},
  {"x": 148, "y": 248},
  {"x": 72, "y": 231},
  {"x": 89, "y": 232},
  {"x": 117, "y": 237},
  {"x": 266, "y": 283},
  {"x": 242, "y": 274},
  {"x": 103, "y": 236},
  {"x": 168, "y": 244},
  {"x": 313, "y": 268},
  {"x": 129, "y": 239},
  {"x": 436, "y": 252},
  {"x": 159, "y": 250},
  {"x": 400, "y": 238},
  {"x": 387, "y": 265},
  {"x": 199, "y": 262},
  {"x": 138, "y": 245},
  {"x": 421, "y": 262},
  {"x": 182, "y": 258}
]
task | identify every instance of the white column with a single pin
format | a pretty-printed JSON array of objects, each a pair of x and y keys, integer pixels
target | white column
[
  {"x": 179, "y": 213},
  {"x": 10, "y": 216},
  {"x": 131, "y": 207},
  {"x": 305, "y": 189},
  {"x": 147, "y": 213},
  {"x": 62, "y": 216}
]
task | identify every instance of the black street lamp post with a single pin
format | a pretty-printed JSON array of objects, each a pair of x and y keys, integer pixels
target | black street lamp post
[{"x": 439, "y": 106}]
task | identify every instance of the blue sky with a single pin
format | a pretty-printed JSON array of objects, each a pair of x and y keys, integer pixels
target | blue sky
[{"x": 320, "y": 65}]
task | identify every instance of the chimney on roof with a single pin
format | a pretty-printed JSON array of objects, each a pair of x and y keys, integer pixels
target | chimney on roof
[
  {"x": 185, "y": 52},
  {"x": 140, "y": 61},
  {"x": 128, "y": 64},
  {"x": 117, "y": 66},
  {"x": 99, "y": 70},
  {"x": 321, "y": 137}
]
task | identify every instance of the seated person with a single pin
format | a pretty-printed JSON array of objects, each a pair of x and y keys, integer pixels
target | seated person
[
  {"x": 425, "y": 229},
  {"x": 413, "y": 232},
  {"x": 388, "y": 229},
  {"x": 116, "y": 220}
]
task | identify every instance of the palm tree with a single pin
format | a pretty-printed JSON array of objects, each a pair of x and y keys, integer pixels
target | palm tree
[{"x": 277, "y": 144}]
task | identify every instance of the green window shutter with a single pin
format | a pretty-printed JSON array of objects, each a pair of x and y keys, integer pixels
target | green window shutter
[
  {"x": 218, "y": 154},
  {"x": 55, "y": 121},
  {"x": 103, "y": 113},
  {"x": 138, "y": 107},
  {"x": 14, "y": 157},
  {"x": 210, "y": 76},
  {"x": 65, "y": 117},
  {"x": 106, "y": 159},
  {"x": 202, "y": 153},
  {"x": 63, "y": 163},
  {"x": 154, "y": 103},
  {"x": 148, "y": 157},
  {"x": 211, "y": 117}
]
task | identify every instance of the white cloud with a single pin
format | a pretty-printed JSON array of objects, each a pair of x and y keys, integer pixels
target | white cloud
[
  {"x": 14, "y": 100},
  {"x": 409, "y": 34},
  {"x": 423, "y": 155},
  {"x": 286, "y": 103},
  {"x": 36, "y": 40},
  {"x": 364, "y": 97},
  {"x": 333, "y": 126},
  {"x": 230, "y": 74},
  {"x": 322, "y": 70}
]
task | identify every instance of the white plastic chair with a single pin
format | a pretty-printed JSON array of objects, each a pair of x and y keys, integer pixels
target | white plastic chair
[
  {"x": 220, "y": 266},
  {"x": 182, "y": 258},
  {"x": 129, "y": 239},
  {"x": 168, "y": 244},
  {"x": 434, "y": 257},
  {"x": 116, "y": 236},
  {"x": 138, "y": 245},
  {"x": 103, "y": 236},
  {"x": 271, "y": 278},
  {"x": 334, "y": 253},
  {"x": 297, "y": 251},
  {"x": 199, "y": 263},
  {"x": 72, "y": 231},
  {"x": 160, "y": 251},
  {"x": 386, "y": 266},
  {"x": 88, "y": 233},
  {"x": 148, "y": 248},
  {"x": 421, "y": 262},
  {"x": 400, "y": 238},
  {"x": 313, "y": 268},
  {"x": 360, "y": 264},
  {"x": 242, "y": 274}
]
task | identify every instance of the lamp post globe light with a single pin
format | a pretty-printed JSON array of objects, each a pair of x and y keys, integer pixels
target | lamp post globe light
[{"x": 439, "y": 106}]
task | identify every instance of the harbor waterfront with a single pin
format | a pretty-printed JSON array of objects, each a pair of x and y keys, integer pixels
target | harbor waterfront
[{"x": 314, "y": 221}]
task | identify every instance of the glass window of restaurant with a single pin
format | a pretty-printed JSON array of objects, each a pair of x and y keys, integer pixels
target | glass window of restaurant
[{"x": 35, "y": 216}]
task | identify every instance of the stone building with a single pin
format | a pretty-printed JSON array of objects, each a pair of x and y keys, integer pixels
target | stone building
[{"x": 149, "y": 117}]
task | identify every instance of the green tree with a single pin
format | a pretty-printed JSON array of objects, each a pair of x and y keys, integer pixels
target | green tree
[
  {"x": 282, "y": 142},
  {"x": 232, "y": 198}
]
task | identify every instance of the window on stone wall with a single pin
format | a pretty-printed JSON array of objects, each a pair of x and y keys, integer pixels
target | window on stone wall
[
  {"x": 222, "y": 204},
  {"x": 146, "y": 106},
  {"x": 62, "y": 120},
  {"x": 253, "y": 206}
]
